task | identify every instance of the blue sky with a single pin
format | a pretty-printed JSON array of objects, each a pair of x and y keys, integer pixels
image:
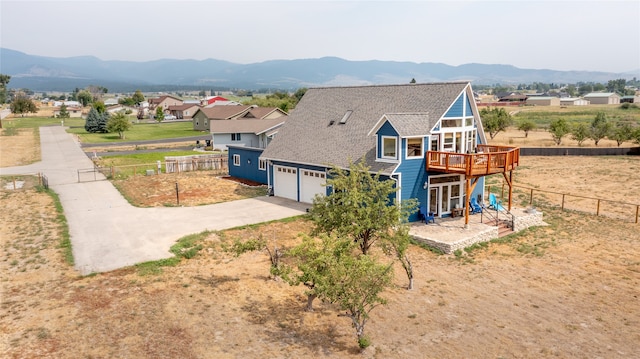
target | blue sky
[{"x": 558, "y": 35}]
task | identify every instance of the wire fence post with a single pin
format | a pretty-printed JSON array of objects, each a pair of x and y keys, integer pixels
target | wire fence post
[
  {"x": 531, "y": 198},
  {"x": 562, "y": 207},
  {"x": 637, "y": 212},
  {"x": 598, "y": 209}
]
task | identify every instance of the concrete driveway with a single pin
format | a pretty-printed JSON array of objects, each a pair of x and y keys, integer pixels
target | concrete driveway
[{"x": 108, "y": 233}]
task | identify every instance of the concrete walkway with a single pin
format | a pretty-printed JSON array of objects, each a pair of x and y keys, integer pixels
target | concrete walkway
[{"x": 108, "y": 233}]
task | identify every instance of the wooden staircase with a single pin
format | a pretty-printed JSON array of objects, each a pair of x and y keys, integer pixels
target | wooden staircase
[{"x": 504, "y": 229}]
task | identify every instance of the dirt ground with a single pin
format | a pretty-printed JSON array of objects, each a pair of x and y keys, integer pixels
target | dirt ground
[{"x": 566, "y": 290}]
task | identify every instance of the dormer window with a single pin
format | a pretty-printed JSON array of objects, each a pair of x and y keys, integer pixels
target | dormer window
[{"x": 389, "y": 148}]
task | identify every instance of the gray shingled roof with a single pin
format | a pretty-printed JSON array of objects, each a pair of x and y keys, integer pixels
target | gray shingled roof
[
  {"x": 253, "y": 125},
  {"x": 224, "y": 112},
  {"x": 411, "y": 124},
  {"x": 308, "y": 138}
]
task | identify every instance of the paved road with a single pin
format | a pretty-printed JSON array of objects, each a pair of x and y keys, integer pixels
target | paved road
[{"x": 108, "y": 233}]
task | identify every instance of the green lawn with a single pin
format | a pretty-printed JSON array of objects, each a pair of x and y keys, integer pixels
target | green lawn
[
  {"x": 140, "y": 132},
  {"x": 35, "y": 122}
]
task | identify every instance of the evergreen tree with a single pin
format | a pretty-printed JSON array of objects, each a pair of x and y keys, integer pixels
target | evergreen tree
[
  {"x": 63, "y": 112},
  {"x": 93, "y": 123}
]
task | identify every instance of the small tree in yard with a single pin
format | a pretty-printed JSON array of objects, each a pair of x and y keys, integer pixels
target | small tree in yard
[
  {"x": 558, "y": 129},
  {"x": 359, "y": 207},
  {"x": 159, "y": 114},
  {"x": 118, "y": 123},
  {"x": 495, "y": 120},
  {"x": 22, "y": 104},
  {"x": 398, "y": 248},
  {"x": 63, "y": 112},
  {"x": 580, "y": 133},
  {"x": 310, "y": 264},
  {"x": 621, "y": 133},
  {"x": 600, "y": 127},
  {"x": 355, "y": 284},
  {"x": 526, "y": 126}
]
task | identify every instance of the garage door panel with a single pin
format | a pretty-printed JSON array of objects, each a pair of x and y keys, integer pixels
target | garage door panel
[
  {"x": 311, "y": 183},
  {"x": 285, "y": 182}
]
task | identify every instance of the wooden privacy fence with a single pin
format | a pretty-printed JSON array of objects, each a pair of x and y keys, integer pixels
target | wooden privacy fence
[
  {"x": 592, "y": 205},
  {"x": 177, "y": 164}
]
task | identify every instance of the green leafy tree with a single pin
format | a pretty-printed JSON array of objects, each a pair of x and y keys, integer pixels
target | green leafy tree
[
  {"x": 119, "y": 123},
  {"x": 22, "y": 104},
  {"x": 413, "y": 81},
  {"x": 310, "y": 264},
  {"x": 359, "y": 207},
  {"x": 495, "y": 120},
  {"x": 99, "y": 106},
  {"x": 63, "y": 112},
  {"x": 159, "y": 114},
  {"x": 558, "y": 129},
  {"x": 600, "y": 127},
  {"x": 84, "y": 97},
  {"x": 138, "y": 97},
  {"x": 580, "y": 133},
  {"x": 526, "y": 126},
  {"x": 398, "y": 248},
  {"x": 621, "y": 133},
  {"x": 355, "y": 285},
  {"x": 636, "y": 135},
  {"x": 4, "y": 81}
]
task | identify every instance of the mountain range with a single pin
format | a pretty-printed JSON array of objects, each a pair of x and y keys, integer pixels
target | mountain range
[{"x": 39, "y": 73}]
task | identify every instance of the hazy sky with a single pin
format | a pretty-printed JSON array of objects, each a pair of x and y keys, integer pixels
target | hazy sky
[{"x": 558, "y": 35}]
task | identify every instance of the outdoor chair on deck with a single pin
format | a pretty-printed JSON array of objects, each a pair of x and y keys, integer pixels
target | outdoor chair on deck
[
  {"x": 426, "y": 216},
  {"x": 475, "y": 206},
  {"x": 494, "y": 203}
]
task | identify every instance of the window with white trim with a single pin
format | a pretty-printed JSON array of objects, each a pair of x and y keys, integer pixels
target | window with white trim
[
  {"x": 262, "y": 165},
  {"x": 236, "y": 160},
  {"x": 389, "y": 148},
  {"x": 414, "y": 147},
  {"x": 235, "y": 137}
]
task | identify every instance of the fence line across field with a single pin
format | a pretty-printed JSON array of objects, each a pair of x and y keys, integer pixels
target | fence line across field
[{"x": 617, "y": 209}]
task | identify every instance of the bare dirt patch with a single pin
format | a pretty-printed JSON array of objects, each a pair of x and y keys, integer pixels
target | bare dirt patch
[
  {"x": 567, "y": 290},
  {"x": 193, "y": 189}
]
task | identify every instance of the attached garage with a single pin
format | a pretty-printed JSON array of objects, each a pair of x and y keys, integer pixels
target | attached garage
[
  {"x": 285, "y": 182},
  {"x": 311, "y": 183}
]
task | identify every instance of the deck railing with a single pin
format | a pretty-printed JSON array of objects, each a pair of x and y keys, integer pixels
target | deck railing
[{"x": 488, "y": 160}]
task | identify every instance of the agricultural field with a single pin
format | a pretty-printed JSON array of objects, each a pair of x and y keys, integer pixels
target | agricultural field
[{"x": 564, "y": 290}]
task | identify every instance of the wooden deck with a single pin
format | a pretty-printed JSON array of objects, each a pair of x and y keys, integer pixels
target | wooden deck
[{"x": 488, "y": 160}]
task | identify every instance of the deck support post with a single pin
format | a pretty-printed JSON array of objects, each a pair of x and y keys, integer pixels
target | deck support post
[
  {"x": 509, "y": 181},
  {"x": 467, "y": 191}
]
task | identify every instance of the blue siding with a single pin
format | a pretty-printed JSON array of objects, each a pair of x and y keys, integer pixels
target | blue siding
[
  {"x": 248, "y": 169},
  {"x": 457, "y": 108},
  {"x": 468, "y": 108},
  {"x": 385, "y": 130},
  {"x": 413, "y": 176},
  {"x": 478, "y": 191}
]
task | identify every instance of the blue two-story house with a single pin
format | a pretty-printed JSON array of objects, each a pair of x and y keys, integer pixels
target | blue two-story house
[{"x": 426, "y": 137}]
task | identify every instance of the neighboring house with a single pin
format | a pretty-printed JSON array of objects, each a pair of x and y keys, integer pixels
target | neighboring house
[
  {"x": 339, "y": 125},
  {"x": 630, "y": 99},
  {"x": 184, "y": 111},
  {"x": 202, "y": 117},
  {"x": 603, "y": 98},
  {"x": 111, "y": 101},
  {"x": 573, "y": 101},
  {"x": 513, "y": 98},
  {"x": 212, "y": 99},
  {"x": 543, "y": 101},
  {"x": 244, "y": 132},
  {"x": 164, "y": 102},
  {"x": 74, "y": 111}
]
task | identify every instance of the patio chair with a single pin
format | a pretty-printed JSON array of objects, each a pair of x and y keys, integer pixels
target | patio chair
[
  {"x": 475, "y": 206},
  {"x": 494, "y": 203},
  {"x": 426, "y": 216}
]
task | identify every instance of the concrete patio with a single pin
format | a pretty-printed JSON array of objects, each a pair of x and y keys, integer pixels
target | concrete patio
[{"x": 450, "y": 234}]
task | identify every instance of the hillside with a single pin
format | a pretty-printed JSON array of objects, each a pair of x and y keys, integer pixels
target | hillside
[{"x": 40, "y": 73}]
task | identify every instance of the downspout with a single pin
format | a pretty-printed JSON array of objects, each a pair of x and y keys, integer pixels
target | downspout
[{"x": 269, "y": 169}]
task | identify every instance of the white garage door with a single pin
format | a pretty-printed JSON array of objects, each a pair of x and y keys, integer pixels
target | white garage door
[
  {"x": 285, "y": 182},
  {"x": 311, "y": 183}
]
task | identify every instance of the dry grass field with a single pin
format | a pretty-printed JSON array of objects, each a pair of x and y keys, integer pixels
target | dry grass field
[{"x": 567, "y": 290}]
